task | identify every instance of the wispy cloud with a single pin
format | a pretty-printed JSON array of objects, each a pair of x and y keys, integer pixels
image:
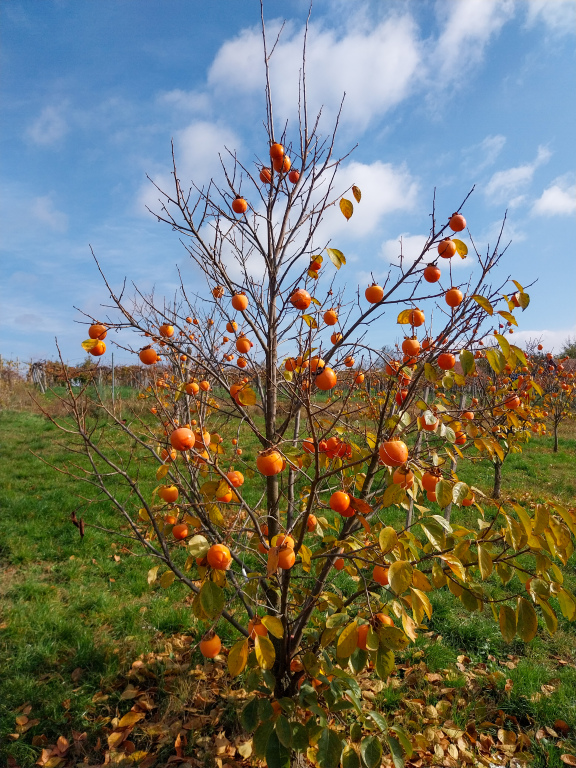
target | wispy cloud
[
  {"x": 559, "y": 199},
  {"x": 507, "y": 186},
  {"x": 558, "y": 15},
  {"x": 49, "y": 127},
  {"x": 483, "y": 155},
  {"x": 44, "y": 211}
]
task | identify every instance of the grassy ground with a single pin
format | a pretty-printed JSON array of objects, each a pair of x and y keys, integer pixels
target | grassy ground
[{"x": 75, "y": 613}]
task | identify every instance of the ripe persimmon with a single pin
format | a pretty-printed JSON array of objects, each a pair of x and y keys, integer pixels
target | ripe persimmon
[
  {"x": 242, "y": 362},
  {"x": 430, "y": 481},
  {"x": 243, "y": 345},
  {"x": 218, "y": 292},
  {"x": 276, "y": 152},
  {"x": 339, "y": 501},
  {"x": 411, "y": 346},
  {"x": 269, "y": 463},
  {"x": 393, "y": 453},
  {"x": 326, "y": 380},
  {"x": 283, "y": 165},
  {"x": 457, "y": 222},
  {"x": 210, "y": 645},
  {"x": 403, "y": 477},
  {"x": 286, "y": 556},
  {"x": 231, "y": 327},
  {"x": 255, "y": 627},
  {"x": 416, "y": 318},
  {"x": 235, "y": 478},
  {"x": 265, "y": 175},
  {"x": 349, "y": 362},
  {"x": 98, "y": 349},
  {"x": 331, "y": 317},
  {"x": 432, "y": 273},
  {"x": 182, "y": 439},
  {"x": 239, "y": 302},
  {"x": 335, "y": 338},
  {"x": 453, "y": 297},
  {"x": 339, "y": 563},
  {"x": 300, "y": 299},
  {"x": 380, "y": 575},
  {"x": 359, "y": 378},
  {"x": 374, "y": 293},
  {"x": 294, "y": 176},
  {"x": 447, "y": 248},
  {"x": 219, "y": 557},
  {"x": 446, "y": 361},
  {"x": 192, "y": 388},
  {"x": 166, "y": 331},
  {"x": 239, "y": 205},
  {"x": 363, "y": 630},
  {"x": 180, "y": 531},
  {"x": 204, "y": 386},
  {"x": 311, "y": 523},
  {"x": 168, "y": 493},
  {"x": 97, "y": 331}
]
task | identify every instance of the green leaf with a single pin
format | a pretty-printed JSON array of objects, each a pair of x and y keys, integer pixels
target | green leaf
[
  {"x": 212, "y": 599},
  {"x": 350, "y": 757},
  {"x": 284, "y": 731},
  {"x": 379, "y": 719},
  {"x": 238, "y": 657},
  {"x": 310, "y": 322},
  {"x": 261, "y": 737},
  {"x": 347, "y": 208},
  {"x": 384, "y": 663},
  {"x": 336, "y": 257},
  {"x": 403, "y": 739},
  {"x": 371, "y": 751},
  {"x": 461, "y": 248},
  {"x": 348, "y": 641},
  {"x": 265, "y": 653},
  {"x": 357, "y": 194},
  {"x": 277, "y": 755},
  {"x": 484, "y": 303},
  {"x": 549, "y": 616},
  {"x": 329, "y": 749},
  {"x": 496, "y": 360},
  {"x": 526, "y": 620},
  {"x": 400, "y": 576},
  {"x": 393, "y": 638},
  {"x": 299, "y": 737},
  {"x": 396, "y": 752},
  {"x": 388, "y": 539},
  {"x": 467, "y": 361},
  {"x": 249, "y": 716}
]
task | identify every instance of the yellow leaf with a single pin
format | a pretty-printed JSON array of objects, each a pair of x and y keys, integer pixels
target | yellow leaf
[
  {"x": 526, "y": 620},
  {"x": 336, "y": 257},
  {"x": 347, "y": 208},
  {"x": 306, "y": 556},
  {"x": 508, "y": 316},
  {"x": 420, "y": 581},
  {"x": 461, "y": 248},
  {"x": 348, "y": 641},
  {"x": 89, "y": 344},
  {"x": 484, "y": 561},
  {"x": 484, "y": 303},
  {"x": 357, "y": 194},
  {"x": 425, "y": 603},
  {"x": 238, "y": 657},
  {"x": 162, "y": 472},
  {"x": 153, "y": 574},
  {"x": 400, "y": 576},
  {"x": 131, "y": 718},
  {"x": 265, "y": 654},
  {"x": 246, "y": 396},
  {"x": 388, "y": 539},
  {"x": 310, "y": 322},
  {"x": 273, "y": 625},
  {"x": 507, "y": 621},
  {"x": 404, "y": 317},
  {"x": 166, "y": 579},
  {"x": 143, "y": 514}
]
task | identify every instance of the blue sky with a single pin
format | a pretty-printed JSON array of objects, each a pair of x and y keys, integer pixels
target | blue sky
[{"x": 441, "y": 94}]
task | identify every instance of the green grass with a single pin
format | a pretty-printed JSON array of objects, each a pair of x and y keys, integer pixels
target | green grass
[{"x": 76, "y": 612}]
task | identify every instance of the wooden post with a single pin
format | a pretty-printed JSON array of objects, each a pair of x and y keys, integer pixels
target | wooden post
[{"x": 112, "y": 378}]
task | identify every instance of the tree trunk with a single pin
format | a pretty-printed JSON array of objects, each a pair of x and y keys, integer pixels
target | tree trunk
[
  {"x": 555, "y": 449},
  {"x": 497, "y": 479}
]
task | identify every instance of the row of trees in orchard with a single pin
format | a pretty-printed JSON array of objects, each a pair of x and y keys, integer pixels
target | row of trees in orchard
[{"x": 322, "y": 553}]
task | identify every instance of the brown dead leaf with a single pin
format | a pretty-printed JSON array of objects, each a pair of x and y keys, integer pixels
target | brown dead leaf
[
  {"x": 62, "y": 745},
  {"x": 130, "y": 718},
  {"x": 77, "y": 674},
  {"x": 568, "y": 759},
  {"x": 561, "y": 726},
  {"x": 21, "y": 720}
]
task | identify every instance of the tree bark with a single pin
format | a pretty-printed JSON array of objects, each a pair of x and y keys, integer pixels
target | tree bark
[
  {"x": 497, "y": 479},
  {"x": 555, "y": 449}
]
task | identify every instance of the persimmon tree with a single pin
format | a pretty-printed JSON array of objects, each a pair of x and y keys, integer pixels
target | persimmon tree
[
  {"x": 555, "y": 388},
  {"x": 305, "y": 551}
]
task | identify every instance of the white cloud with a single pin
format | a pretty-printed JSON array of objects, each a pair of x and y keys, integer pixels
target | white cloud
[
  {"x": 375, "y": 64},
  {"x": 468, "y": 27},
  {"x": 552, "y": 341},
  {"x": 505, "y": 186},
  {"x": 189, "y": 101},
  {"x": 558, "y": 15},
  {"x": 196, "y": 148},
  {"x": 484, "y": 154},
  {"x": 412, "y": 246},
  {"x": 559, "y": 199},
  {"x": 49, "y": 127},
  {"x": 44, "y": 211}
]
